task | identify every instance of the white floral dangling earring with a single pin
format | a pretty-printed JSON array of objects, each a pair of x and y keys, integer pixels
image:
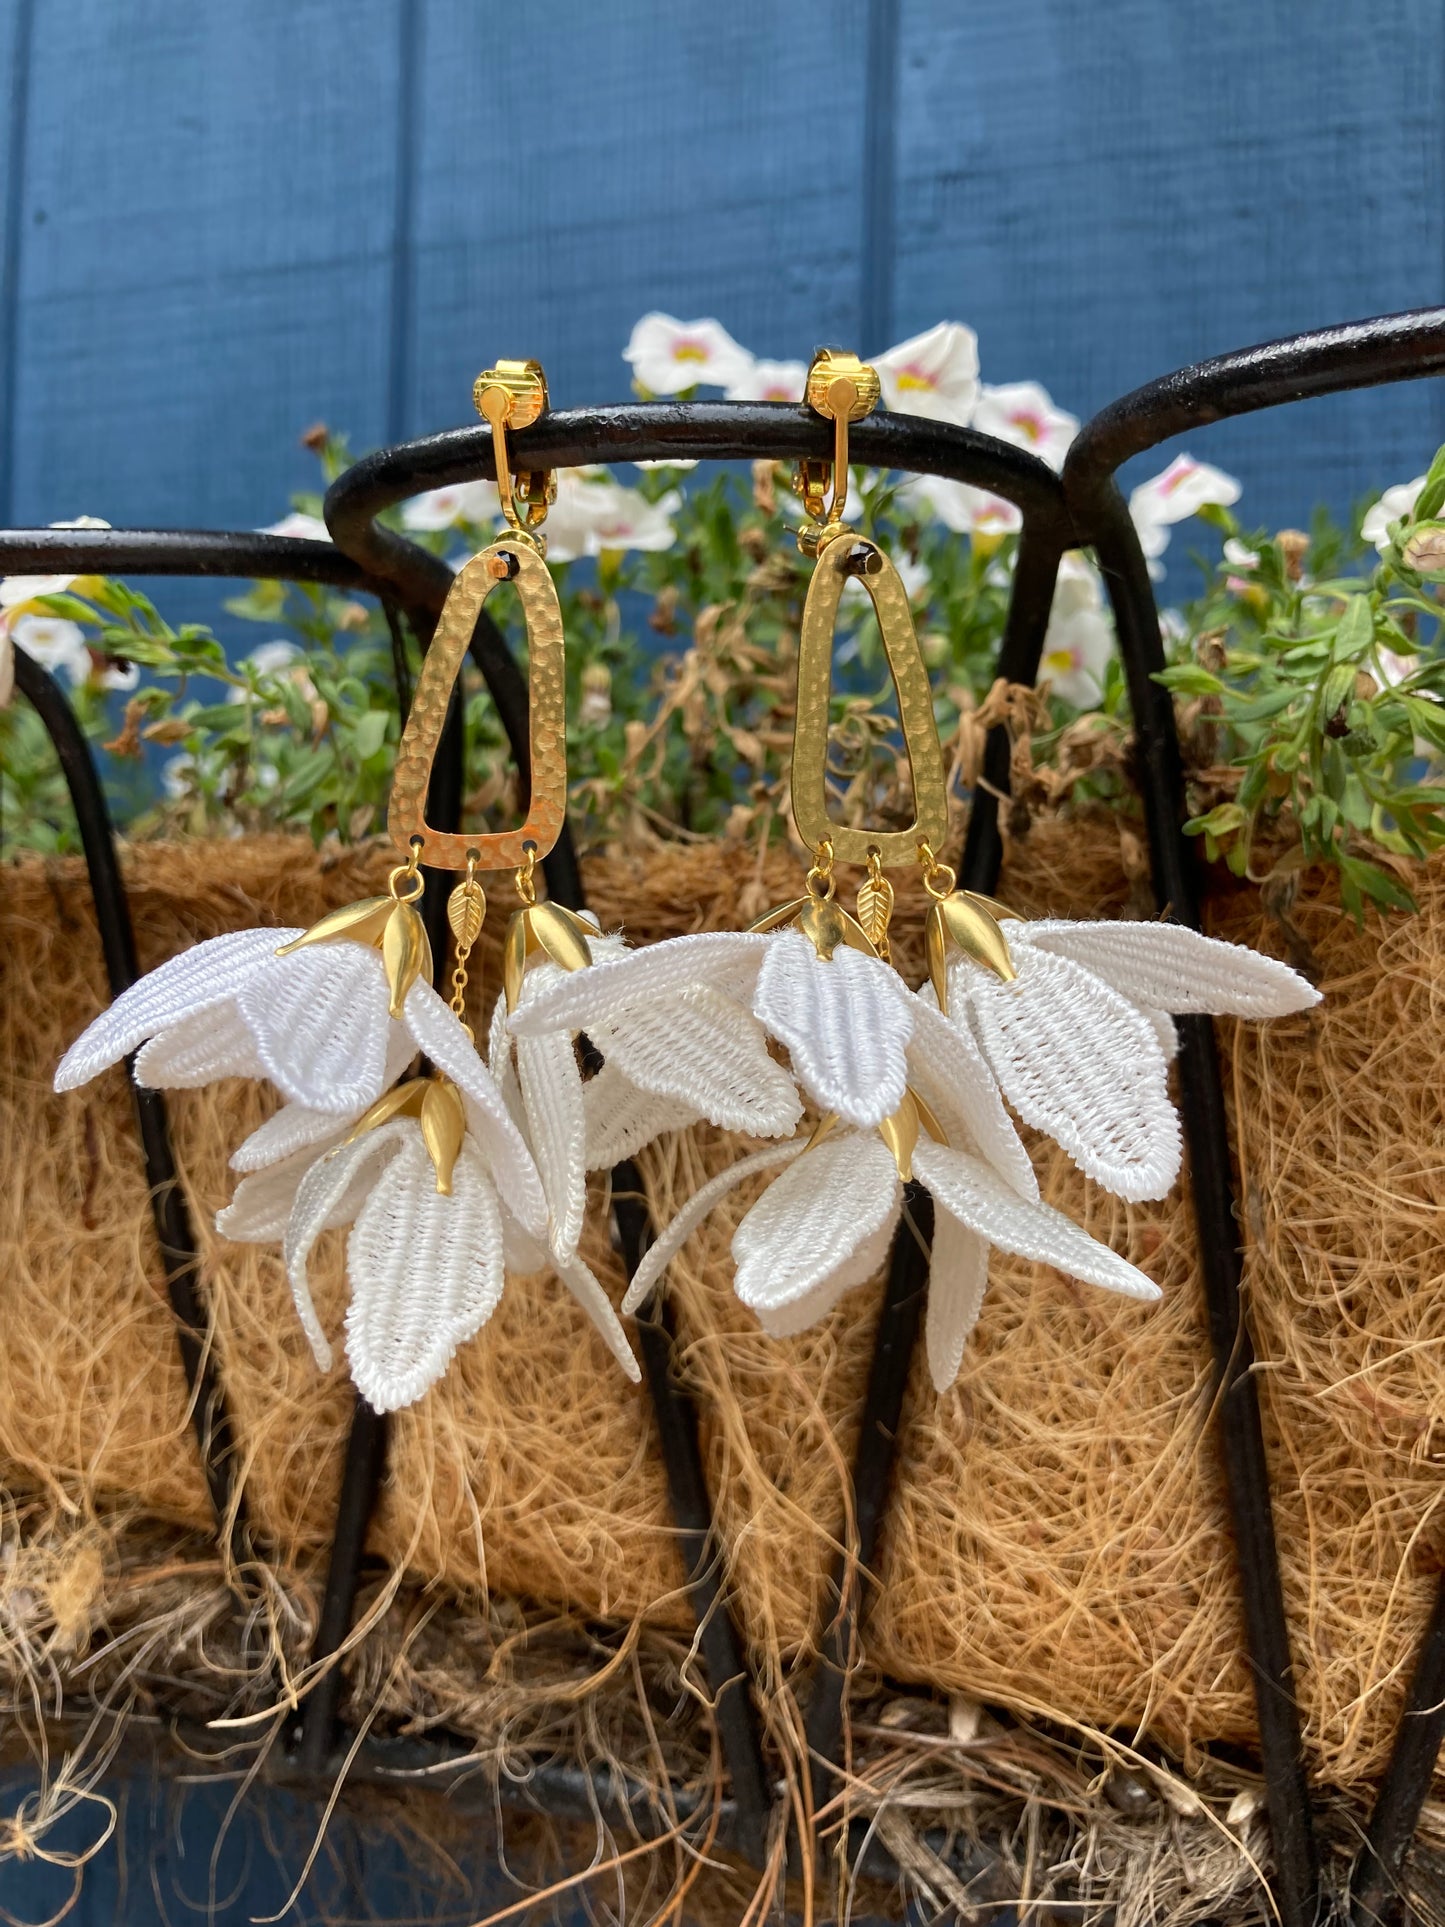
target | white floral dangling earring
[{"x": 434, "y": 1173}]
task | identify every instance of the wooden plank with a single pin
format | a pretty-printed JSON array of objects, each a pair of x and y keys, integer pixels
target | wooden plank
[
  {"x": 602, "y": 161},
  {"x": 208, "y": 227},
  {"x": 1108, "y": 193},
  {"x": 16, "y": 18}
]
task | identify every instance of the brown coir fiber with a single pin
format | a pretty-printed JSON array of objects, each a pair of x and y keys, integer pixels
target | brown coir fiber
[{"x": 1057, "y": 1542}]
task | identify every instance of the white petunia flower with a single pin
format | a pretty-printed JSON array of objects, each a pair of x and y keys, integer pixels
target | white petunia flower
[
  {"x": 442, "y": 508},
  {"x": 1393, "y": 506},
  {"x": 770, "y": 381},
  {"x": 1080, "y": 637},
  {"x": 933, "y": 374},
  {"x": 1079, "y": 1039},
  {"x": 322, "y": 1023},
  {"x": 1173, "y": 495},
  {"x": 270, "y": 658},
  {"x": 590, "y": 516},
  {"x": 1023, "y": 413},
  {"x": 55, "y": 643},
  {"x": 668, "y": 356},
  {"x": 298, "y": 527},
  {"x": 960, "y": 507}
]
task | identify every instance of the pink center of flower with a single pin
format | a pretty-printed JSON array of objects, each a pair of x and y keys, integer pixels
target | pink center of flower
[
  {"x": 1031, "y": 427},
  {"x": 1062, "y": 659},
  {"x": 687, "y": 348},
  {"x": 913, "y": 376},
  {"x": 1175, "y": 476}
]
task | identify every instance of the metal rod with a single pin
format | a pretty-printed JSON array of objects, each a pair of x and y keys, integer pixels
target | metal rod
[
  {"x": 677, "y": 1424},
  {"x": 215, "y": 1432},
  {"x": 188, "y": 552},
  {"x": 1377, "y": 1884},
  {"x": 1239, "y": 1427},
  {"x": 899, "y": 1322}
]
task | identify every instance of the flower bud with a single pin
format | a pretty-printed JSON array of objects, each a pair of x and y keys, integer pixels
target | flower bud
[
  {"x": 1424, "y": 549},
  {"x": 1294, "y": 546}
]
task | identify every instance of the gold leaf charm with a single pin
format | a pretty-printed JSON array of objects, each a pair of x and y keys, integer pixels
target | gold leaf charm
[
  {"x": 900, "y": 1134},
  {"x": 467, "y": 912},
  {"x": 875, "y": 909},
  {"x": 406, "y": 953}
]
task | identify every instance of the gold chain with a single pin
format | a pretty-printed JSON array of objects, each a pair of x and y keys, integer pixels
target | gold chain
[
  {"x": 820, "y": 878},
  {"x": 466, "y": 913}
]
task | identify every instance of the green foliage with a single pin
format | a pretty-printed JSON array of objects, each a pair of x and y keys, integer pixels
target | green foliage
[{"x": 1309, "y": 687}]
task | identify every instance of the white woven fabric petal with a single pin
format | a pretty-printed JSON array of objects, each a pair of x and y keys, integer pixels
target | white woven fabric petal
[
  {"x": 1076, "y": 1060},
  {"x": 728, "y": 960},
  {"x": 813, "y": 1219},
  {"x": 786, "y": 1321},
  {"x": 319, "y": 1018},
  {"x": 706, "y": 1050},
  {"x": 329, "y": 1186},
  {"x": 967, "y": 1189},
  {"x": 1165, "y": 1030},
  {"x": 621, "y": 1118},
  {"x": 198, "y": 1050},
  {"x": 680, "y": 1227},
  {"x": 295, "y": 1126},
  {"x": 957, "y": 1280},
  {"x": 199, "y": 979},
  {"x": 557, "y": 1130},
  {"x": 949, "y": 1072},
  {"x": 1168, "y": 967},
  {"x": 260, "y": 1207},
  {"x": 446, "y": 1043},
  {"x": 426, "y": 1273},
  {"x": 846, "y": 1021},
  {"x": 587, "y": 1290},
  {"x": 521, "y": 1252}
]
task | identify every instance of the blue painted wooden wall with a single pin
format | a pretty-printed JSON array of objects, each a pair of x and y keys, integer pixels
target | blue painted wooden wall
[{"x": 221, "y": 223}]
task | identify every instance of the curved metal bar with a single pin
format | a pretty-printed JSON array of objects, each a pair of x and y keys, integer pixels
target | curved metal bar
[
  {"x": 1326, "y": 361},
  {"x": 1362, "y": 354},
  {"x": 210, "y": 1416},
  {"x": 202, "y": 552}
]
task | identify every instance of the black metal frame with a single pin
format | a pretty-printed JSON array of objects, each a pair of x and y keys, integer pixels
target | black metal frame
[{"x": 1083, "y": 507}]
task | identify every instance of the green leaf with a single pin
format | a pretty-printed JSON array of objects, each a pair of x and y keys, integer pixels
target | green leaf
[
  {"x": 1189, "y": 679},
  {"x": 1356, "y": 631},
  {"x": 1373, "y": 882},
  {"x": 370, "y": 733},
  {"x": 1427, "y": 719},
  {"x": 1261, "y": 707},
  {"x": 1431, "y": 498},
  {"x": 1220, "y": 821}
]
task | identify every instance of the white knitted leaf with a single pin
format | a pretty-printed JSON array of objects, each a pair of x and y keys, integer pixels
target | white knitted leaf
[
  {"x": 1171, "y": 968},
  {"x": 1165, "y": 1030},
  {"x": 621, "y": 1118},
  {"x": 957, "y": 1279},
  {"x": 294, "y": 1126},
  {"x": 812, "y": 1220},
  {"x": 949, "y": 1072},
  {"x": 586, "y": 1289},
  {"x": 197, "y": 980},
  {"x": 729, "y": 960},
  {"x": 1078, "y": 1061},
  {"x": 846, "y": 1021},
  {"x": 198, "y": 1050},
  {"x": 557, "y": 1130},
  {"x": 426, "y": 1273},
  {"x": 709, "y": 1052},
  {"x": 260, "y": 1207},
  {"x": 979, "y": 1199},
  {"x": 521, "y": 1252},
  {"x": 446, "y": 1043},
  {"x": 329, "y": 1194},
  {"x": 675, "y": 1234},
  {"x": 319, "y": 1018},
  {"x": 785, "y": 1321}
]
